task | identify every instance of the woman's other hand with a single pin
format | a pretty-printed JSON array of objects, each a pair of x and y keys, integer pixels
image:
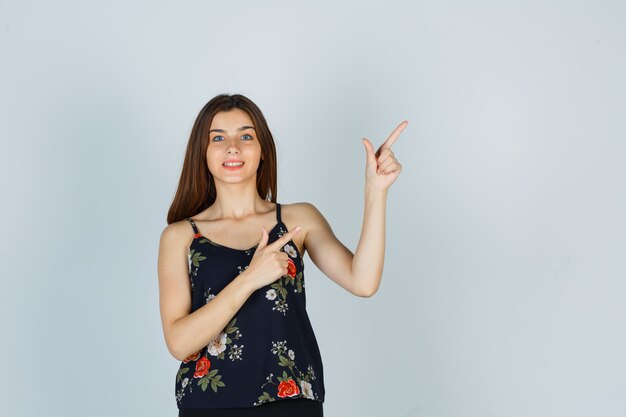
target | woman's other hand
[{"x": 382, "y": 167}]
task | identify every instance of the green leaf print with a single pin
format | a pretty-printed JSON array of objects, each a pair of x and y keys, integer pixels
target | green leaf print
[
  {"x": 215, "y": 382},
  {"x": 230, "y": 328},
  {"x": 266, "y": 397},
  {"x": 213, "y": 379},
  {"x": 196, "y": 257},
  {"x": 180, "y": 373},
  {"x": 204, "y": 382},
  {"x": 283, "y": 361}
]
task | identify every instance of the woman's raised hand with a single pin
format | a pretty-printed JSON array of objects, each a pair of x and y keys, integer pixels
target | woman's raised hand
[
  {"x": 382, "y": 168},
  {"x": 268, "y": 262}
]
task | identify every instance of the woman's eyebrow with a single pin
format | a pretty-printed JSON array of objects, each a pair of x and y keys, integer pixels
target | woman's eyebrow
[{"x": 223, "y": 131}]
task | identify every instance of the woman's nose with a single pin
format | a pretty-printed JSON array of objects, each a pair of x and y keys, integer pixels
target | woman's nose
[{"x": 232, "y": 146}]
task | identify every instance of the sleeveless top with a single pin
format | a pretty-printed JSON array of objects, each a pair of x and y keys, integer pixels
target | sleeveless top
[{"x": 268, "y": 351}]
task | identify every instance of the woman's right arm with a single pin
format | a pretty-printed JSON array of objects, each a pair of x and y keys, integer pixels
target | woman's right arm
[{"x": 186, "y": 333}]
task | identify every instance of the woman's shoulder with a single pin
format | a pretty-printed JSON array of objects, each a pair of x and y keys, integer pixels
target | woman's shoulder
[
  {"x": 301, "y": 213},
  {"x": 296, "y": 209},
  {"x": 178, "y": 233}
]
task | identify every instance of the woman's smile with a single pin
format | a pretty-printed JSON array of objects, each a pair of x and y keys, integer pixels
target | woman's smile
[{"x": 233, "y": 165}]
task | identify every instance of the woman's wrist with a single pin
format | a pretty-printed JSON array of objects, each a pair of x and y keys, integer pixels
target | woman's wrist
[
  {"x": 246, "y": 282},
  {"x": 372, "y": 193}
]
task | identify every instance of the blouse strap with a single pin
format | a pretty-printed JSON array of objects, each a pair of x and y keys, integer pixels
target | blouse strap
[
  {"x": 193, "y": 224},
  {"x": 278, "y": 213}
]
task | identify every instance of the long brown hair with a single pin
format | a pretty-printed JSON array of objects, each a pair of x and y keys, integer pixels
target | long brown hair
[{"x": 196, "y": 187}]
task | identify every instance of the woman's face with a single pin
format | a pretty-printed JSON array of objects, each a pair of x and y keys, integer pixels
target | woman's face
[{"x": 232, "y": 137}]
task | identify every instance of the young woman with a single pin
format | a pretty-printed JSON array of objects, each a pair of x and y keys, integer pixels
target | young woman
[{"x": 231, "y": 270}]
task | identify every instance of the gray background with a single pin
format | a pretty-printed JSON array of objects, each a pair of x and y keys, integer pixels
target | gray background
[{"x": 503, "y": 289}]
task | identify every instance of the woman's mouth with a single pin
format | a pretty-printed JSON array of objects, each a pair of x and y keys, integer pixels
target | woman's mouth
[{"x": 232, "y": 166}]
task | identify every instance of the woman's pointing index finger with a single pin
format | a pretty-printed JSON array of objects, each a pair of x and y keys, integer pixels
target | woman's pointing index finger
[
  {"x": 394, "y": 135},
  {"x": 282, "y": 241}
]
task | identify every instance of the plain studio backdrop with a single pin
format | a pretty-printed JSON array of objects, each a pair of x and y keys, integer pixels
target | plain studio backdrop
[{"x": 504, "y": 281}]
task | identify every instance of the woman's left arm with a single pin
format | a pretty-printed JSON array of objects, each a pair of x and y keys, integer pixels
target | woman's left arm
[{"x": 361, "y": 272}]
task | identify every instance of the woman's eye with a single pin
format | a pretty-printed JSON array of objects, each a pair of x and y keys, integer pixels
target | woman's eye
[
  {"x": 216, "y": 137},
  {"x": 247, "y": 136}
]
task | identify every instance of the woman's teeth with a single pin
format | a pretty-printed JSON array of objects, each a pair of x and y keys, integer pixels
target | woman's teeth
[{"x": 233, "y": 164}]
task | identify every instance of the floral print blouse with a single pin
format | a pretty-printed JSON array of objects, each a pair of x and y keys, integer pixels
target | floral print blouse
[{"x": 268, "y": 351}]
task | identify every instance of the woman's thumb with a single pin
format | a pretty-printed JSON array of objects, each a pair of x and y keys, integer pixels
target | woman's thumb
[
  {"x": 369, "y": 151},
  {"x": 263, "y": 241}
]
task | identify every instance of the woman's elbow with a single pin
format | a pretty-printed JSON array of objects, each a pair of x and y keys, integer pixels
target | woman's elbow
[{"x": 365, "y": 292}]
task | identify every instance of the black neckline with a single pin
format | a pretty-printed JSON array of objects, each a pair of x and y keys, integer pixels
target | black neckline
[{"x": 201, "y": 236}]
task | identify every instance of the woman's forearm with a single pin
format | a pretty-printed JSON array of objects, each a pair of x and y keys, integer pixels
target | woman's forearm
[
  {"x": 368, "y": 261},
  {"x": 194, "y": 331}
]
